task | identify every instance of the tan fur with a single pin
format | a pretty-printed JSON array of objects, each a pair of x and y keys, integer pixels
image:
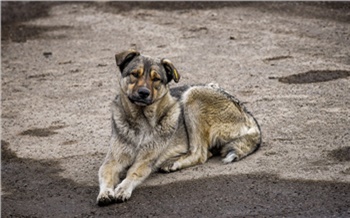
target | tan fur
[{"x": 153, "y": 130}]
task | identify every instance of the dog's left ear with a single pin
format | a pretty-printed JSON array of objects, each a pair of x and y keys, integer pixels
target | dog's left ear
[
  {"x": 170, "y": 70},
  {"x": 124, "y": 58}
]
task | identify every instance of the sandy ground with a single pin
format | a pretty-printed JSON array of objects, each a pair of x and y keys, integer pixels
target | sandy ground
[{"x": 288, "y": 62}]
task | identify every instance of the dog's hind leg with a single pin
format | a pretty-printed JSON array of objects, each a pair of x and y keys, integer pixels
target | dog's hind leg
[
  {"x": 241, "y": 146},
  {"x": 196, "y": 155},
  {"x": 198, "y": 140},
  {"x": 170, "y": 156}
]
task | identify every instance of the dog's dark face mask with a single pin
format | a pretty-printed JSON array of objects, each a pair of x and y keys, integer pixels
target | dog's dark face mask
[{"x": 144, "y": 80}]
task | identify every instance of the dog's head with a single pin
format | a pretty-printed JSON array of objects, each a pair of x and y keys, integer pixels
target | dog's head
[{"x": 144, "y": 79}]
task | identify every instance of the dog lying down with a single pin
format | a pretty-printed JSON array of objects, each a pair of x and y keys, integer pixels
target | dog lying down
[{"x": 155, "y": 130}]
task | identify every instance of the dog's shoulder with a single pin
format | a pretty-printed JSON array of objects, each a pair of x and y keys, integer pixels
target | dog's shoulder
[{"x": 177, "y": 92}]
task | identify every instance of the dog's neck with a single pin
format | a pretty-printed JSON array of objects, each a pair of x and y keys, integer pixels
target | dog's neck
[{"x": 150, "y": 113}]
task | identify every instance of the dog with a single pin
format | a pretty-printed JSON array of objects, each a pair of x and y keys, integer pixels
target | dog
[{"x": 155, "y": 128}]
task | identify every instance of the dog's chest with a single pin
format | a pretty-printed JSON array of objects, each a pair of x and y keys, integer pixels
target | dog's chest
[
  {"x": 144, "y": 132},
  {"x": 144, "y": 128}
]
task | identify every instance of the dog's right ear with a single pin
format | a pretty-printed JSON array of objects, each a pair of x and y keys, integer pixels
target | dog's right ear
[{"x": 124, "y": 58}]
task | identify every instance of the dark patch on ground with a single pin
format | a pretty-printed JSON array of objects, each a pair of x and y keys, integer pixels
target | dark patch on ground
[
  {"x": 117, "y": 7},
  {"x": 21, "y": 33},
  {"x": 42, "y": 132},
  {"x": 314, "y": 76},
  {"x": 34, "y": 189},
  {"x": 277, "y": 58},
  {"x": 70, "y": 142},
  {"x": 335, "y": 10},
  {"x": 15, "y": 13},
  {"x": 340, "y": 154},
  {"x": 39, "y": 76},
  {"x": 6, "y": 153}
]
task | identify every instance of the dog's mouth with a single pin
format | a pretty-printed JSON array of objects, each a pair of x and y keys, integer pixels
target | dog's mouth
[{"x": 140, "y": 101}]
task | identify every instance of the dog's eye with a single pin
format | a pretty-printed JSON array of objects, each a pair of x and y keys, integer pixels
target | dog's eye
[
  {"x": 155, "y": 79},
  {"x": 134, "y": 74},
  {"x": 155, "y": 76}
]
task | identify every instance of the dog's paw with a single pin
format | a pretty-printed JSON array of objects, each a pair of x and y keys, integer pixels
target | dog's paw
[
  {"x": 170, "y": 167},
  {"x": 166, "y": 166},
  {"x": 230, "y": 157},
  {"x": 122, "y": 193},
  {"x": 105, "y": 197},
  {"x": 164, "y": 169}
]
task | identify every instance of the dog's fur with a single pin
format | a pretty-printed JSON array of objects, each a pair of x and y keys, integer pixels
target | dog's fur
[{"x": 152, "y": 129}]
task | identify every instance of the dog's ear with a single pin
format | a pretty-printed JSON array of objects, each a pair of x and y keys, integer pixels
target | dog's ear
[
  {"x": 124, "y": 58},
  {"x": 170, "y": 70}
]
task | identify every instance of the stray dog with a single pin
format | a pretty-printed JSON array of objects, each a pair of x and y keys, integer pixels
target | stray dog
[{"x": 152, "y": 129}]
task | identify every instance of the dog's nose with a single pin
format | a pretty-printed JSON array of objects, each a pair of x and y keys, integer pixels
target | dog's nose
[{"x": 143, "y": 92}]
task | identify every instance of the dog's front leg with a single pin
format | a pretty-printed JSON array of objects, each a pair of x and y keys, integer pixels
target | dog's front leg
[
  {"x": 107, "y": 179},
  {"x": 138, "y": 172},
  {"x": 109, "y": 172}
]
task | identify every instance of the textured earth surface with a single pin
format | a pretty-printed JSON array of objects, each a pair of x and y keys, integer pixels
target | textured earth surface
[{"x": 289, "y": 63}]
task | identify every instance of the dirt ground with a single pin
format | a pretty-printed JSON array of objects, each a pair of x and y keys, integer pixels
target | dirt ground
[{"x": 288, "y": 62}]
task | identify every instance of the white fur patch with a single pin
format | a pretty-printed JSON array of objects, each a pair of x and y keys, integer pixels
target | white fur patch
[
  {"x": 175, "y": 166},
  {"x": 124, "y": 190},
  {"x": 213, "y": 85},
  {"x": 253, "y": 130},
  {"x": 231, "y": 156},
  {"x": 248, "y": 131}
]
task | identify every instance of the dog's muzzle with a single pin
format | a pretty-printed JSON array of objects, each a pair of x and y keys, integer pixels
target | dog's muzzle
[{"x": 142, "y": 97}]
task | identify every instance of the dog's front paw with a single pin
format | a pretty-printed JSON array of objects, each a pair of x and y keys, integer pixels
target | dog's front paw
[
  {"x": 105, "y": 197},
  {"x": 122, "y": 193}
]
